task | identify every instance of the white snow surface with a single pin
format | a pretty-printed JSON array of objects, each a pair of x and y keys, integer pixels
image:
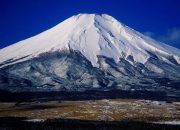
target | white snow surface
[
  {"x": 168, "y": 122},
  {"x": 92, "y": 35},
  {"x": 35, "y": 120}
]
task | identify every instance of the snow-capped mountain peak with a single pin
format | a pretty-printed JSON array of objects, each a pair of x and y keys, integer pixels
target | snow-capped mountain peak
[
  {"x": 92, "y": 35},
  {"x": 90, "y": 52}
]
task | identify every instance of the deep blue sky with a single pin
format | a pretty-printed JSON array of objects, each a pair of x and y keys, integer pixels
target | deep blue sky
[{"x": 20, "y": 19}]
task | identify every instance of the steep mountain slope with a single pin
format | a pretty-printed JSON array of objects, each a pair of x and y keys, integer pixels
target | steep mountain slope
[{"x": 89, "y": 51}]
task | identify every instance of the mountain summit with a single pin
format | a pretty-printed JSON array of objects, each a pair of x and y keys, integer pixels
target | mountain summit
[
  {"x": 92, "y": 35},
  {"x": 89, "y": 51}
]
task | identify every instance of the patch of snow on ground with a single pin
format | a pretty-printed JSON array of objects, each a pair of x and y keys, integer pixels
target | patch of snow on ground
[
  {"x": 168, "y": 122},
  {"x": 35, "y": 120}
]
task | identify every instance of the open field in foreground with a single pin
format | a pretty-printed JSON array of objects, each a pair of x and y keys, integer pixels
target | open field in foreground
[{"x": 96, "y": 110}]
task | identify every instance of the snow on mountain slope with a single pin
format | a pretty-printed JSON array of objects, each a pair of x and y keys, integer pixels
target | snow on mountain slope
[{"x": 92, "y": 35}]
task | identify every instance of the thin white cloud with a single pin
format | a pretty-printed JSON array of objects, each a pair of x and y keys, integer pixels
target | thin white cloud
[
  {"x": 150, "y": 34},
  {"x": 172, "y": 37}
]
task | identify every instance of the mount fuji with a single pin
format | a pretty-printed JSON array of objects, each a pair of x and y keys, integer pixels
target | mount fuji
[{"x": 90, "y": 52}]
